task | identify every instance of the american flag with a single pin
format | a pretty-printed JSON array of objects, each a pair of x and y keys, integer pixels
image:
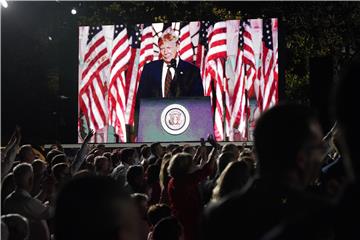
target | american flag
[
  {"x": 214, "y": 68},
  {"x": 238, "y": 116},
  {"x": 131, "y": 73},
  {"x": 186, "y": 50},
  {"x": 202, "y": 49},
  {"x": 92, "y": 89},
  {"x": 268, "y": 85},
  {"x": 249, "y": 56},
  {"x": 146, "y": 55},
  {"x": 120, "y": 57}
]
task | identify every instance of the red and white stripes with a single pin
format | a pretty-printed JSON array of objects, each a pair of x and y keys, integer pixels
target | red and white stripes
[
  {"x": 92, "y": 87},
  {"x": 120, "y": 57},
  {"x": 214, "y": 67},
  {"x": 186, "y": 49}
]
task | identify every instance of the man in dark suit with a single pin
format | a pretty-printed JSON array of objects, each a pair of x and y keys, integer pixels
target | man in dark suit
[{"x": 170, "y": 76}]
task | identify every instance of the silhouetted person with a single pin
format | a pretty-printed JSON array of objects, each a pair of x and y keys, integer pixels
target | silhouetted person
[
  {"x": 183, "y": 189},
  {"x": 20, "y": 201},
  {"x": 135, "y": 180},
  {"x": 127, "y": 158},
  {"x": 26, "y": 154},
  {"x": 155, "y": 213},
  {"x": 168, "y": 228},
  {"x": 18, "y": 226},
  {"x": 234, "y": 178},
  {"x": 288, "y": 143},
  {"x": 95, "y": 208}
]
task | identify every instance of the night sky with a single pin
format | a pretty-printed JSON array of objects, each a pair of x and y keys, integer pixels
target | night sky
[{"x": 38, "y": 45}]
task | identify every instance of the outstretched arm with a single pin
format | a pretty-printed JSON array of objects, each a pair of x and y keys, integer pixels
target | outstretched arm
[
  {"x": 81, "y": 154},
  {"x": 9, "y": 154}
]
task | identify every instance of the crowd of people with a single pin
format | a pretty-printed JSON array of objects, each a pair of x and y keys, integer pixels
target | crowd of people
[{"x": 294, "y": 183}]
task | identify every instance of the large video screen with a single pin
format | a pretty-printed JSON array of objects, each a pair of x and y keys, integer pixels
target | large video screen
[{"x": 234, "y": 63}]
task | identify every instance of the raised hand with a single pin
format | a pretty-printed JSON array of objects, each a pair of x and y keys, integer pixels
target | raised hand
[
  {"x": 89, "y": 136},
  {"x": 212, "y": 141}
]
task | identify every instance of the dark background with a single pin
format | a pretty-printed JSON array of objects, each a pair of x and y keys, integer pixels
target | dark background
[{"x": 39, "y": 76}]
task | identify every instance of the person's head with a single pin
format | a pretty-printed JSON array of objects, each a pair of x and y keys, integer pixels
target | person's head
[
  {"x": 39, "y": 167},
  {"x": 114, "y": 158},
  {"x": 60, "y": 158},
  {"x": 157, "y": 212},
  {"x": 107, "y": 154},
  {"x": 168, "y": 228},
  {"x": 90, "y": 158},
  {"x": 145, "y": 152},
  {"x": 157, "y": 149},
  {"x": 180, "y": 165},
  {"x": 135, "y": 176},
  {"x": 24, "y": 176},
  {"x": 288, "y": 144},
  {"x": 177, "y": 150},
  {"x": 26, "y": 154},
  {"x": 102, "y": 165},
  {"x": 189, "y": 149},
  {"x": 61, "y": 172},
  {"x": 100, "y": 150},
  {"x": 234, "y": 177},
  {"x": 95, "y": 207},
  {"x": 224, "y": 159},
  {"x": 168, "y": 44},
  {"x": 52, "y": 153},
  {"x": 57, "y": 146},
  {"x": 153, "y": 173},
  {"x": 127, "y": 155},
  {"x": 169, "y": 148},
  {"x": 230, "y": 147},
  {"x": 18, "y": 226}
]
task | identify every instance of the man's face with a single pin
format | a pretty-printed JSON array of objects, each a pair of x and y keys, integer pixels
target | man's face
[{"x": 168, "y": 50}]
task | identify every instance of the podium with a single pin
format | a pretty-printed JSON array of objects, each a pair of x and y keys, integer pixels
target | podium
[{"x": 174, "y": 119}]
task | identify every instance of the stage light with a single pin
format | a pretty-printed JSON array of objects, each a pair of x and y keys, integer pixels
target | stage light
[
  {"x": 73, "y": 11},
  {"x": 4, "y": 3}
]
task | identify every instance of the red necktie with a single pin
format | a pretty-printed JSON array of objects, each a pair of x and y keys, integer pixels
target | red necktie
[{"x": 168, "y": 79}]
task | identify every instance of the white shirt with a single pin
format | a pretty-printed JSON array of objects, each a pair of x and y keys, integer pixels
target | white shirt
[{"x": 163, "y": 75}]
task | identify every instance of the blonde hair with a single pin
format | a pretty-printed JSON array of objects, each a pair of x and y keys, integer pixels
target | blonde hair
[
  {"x": 168, "y": 37},
  {"x": 234, "y": 177}
]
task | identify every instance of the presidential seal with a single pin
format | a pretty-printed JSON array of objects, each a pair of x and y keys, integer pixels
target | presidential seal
[{"x": 175, "y": 119}]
